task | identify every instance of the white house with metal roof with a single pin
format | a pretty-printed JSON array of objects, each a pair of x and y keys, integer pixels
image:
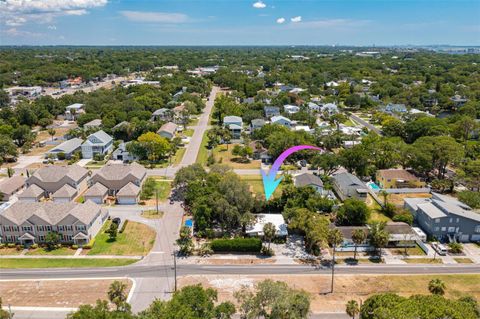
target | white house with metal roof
[
  {"x": 97, "y": 143},
  {"x": 68, "y": 148}
]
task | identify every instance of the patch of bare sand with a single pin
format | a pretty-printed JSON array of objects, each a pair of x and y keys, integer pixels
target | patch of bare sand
[{"x": 55, "y": 293}]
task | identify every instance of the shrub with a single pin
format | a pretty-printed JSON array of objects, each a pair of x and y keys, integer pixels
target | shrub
[
  {"x": 19, "y": 247},
  {"x": 89, "y": 245},
  {"x": 405, "y": 217},
  {"x": 205, "y": 250},
  {"x": 455, "y": 248},
  {"x": 267, "y": 251},
  {"x": 61, "y": 156},
  {"x": 75, "y": 247},
  {"x": 11, "y": 245},
  {"x": 252, "y": 245},
  {"x": 2, "y": 246},
  {"x": 123, "y": 226},
  {"x": 34, "y": 246}
]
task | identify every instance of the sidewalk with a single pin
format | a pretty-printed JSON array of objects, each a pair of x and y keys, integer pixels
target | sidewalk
[{"x": 70, "y": 257}]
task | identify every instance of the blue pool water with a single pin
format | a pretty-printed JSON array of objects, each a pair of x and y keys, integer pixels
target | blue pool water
[
  {"x": 189, "y": 223},
  {"x": 373, "y": 186}
]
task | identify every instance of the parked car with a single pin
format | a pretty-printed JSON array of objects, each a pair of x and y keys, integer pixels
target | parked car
[{"x": 440, "y": 249}]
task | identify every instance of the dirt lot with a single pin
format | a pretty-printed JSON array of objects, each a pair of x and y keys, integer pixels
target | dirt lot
[
  {"x": 398, "y": 199},
  {"x": 55, "y": 293},
  {"x": 346, "y": 286}
]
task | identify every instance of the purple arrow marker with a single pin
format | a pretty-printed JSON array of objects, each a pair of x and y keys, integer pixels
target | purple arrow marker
[{"x": 269, "y": 182}]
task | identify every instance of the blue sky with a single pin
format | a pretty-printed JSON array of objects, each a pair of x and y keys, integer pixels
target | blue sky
[{"x": 239, "y": 22}]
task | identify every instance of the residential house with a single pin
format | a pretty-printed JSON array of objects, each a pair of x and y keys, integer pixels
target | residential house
[
  {"x": 122, "y": 154},
  {"x": 97, "y": 194},
  {"x": 65, "y": 194},
  {"x": 168, "y": 130},
  {"x": 93, "y": 124},
  {"x": 117, "y": 176},
  {"x": 458, "y": 100},
  {"x": 281, "y": 120},
  {"x": 11, "y": 186},
  {"x": 97, "y": 143},
  {"x": 260, "y": 152},
  {"x": 304, "y": 128},
  {"x": 162, "y": 114},
  {"x": 257, "y": 124},
  {"x": 68, "y": 148},
  {"x": 178, "y": 113},
  {"x": 445, "y": 218},
  {"x": 331, "y": 84},
  {"x": 392, "y": 108},
  {"x": 291, "y": 109},
  {"x": 73, "y": 110},
  {"x": 32, "y": 194},
  {"x": 262, "y": 219},
  {"x": 311, "y": 180},
  {"x": 51, "y": 178},
  {"x": 29, "y": 223},
  {"x": 313, "y": 107},
  {"x": 329, "y": 108},
  {"x": 400, "y": 235},
  {"x": 271, "y": 111},
  {"x": 398, "y": 178},
  {"x": 234, "y": 124},
  {"x": 348, "y": 186},
  {"x": 129, "y": 194}
]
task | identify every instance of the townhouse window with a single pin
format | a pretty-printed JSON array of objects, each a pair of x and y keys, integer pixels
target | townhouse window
[
  {"x": 444, "y": 228},
  {"x": 451, "y": 220},
  {"x": 48, "y": 228},
  {"x": 6, "y": 228},
  {"x": 27, "y": 228},
  {"x": 40, "y": 228},
  {"x": 437, "y": 220},
  {"x": 80, "y": 227},
  {"x": 451, "y": 229},
  {"x": 458, "y": 220},
  {"x": 60, "y": 227},
  {"x": 41, "y": 238},
  {"x": 477, "y": 229}
]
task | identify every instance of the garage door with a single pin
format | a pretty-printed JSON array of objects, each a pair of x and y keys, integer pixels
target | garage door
[
  {"x": 475, "y": 238},
  {"x": 127, "y": 200}
]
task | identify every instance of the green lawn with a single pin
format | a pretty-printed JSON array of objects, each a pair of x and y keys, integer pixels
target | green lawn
[
  {"x": 348, "y": 123},
  {"x": 163, "y": 188},
  {"x": 203, "y": 152},
  {"x": 62, "y": 263},
  {"x": 415, "y": 251},
  {"x": 224, "y": 153},
  {"x": 152, "y": 214},
  {"x": 188, "y": 132},
  {"x": 9, "y": 251},
  {"x": 256, "y": 185},
  {"x": 463, "y": 260},
  {"x": 136, "y": 240},
  {"x": 177, "y": 159},
  {"x": 55, "y": 252}
]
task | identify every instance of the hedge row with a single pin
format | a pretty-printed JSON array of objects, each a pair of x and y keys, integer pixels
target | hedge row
[{"x": 251, "y": 245}]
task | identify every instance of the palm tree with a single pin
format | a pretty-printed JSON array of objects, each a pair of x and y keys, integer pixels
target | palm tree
[
  {"x": 352, "y": 309},
  {"x": 269, "y": 231},
  {"x": 117, "y": 296},
  {"x": 437, "y": 287},
  {"x": 335, "y": 238},
  {"x": 51, "y": 132},
  {"x": 358, "y": 237},
  {"x": 384, "y": 194}
]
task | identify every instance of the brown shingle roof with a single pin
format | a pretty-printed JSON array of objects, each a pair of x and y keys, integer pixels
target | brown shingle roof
[
  {"x": 96, "y": 190},
  {"x": 31, "y": 191},
  {"x": 168, "y": 127},
  {"x": 66, "y": 191},
  {"x": 129, "y": 190},
  {"x": 120, "y": 171},
  {"x": 9, "y": 186},
  {"x": 55, "y": 173},
  {"x": 394, "y": 174}
]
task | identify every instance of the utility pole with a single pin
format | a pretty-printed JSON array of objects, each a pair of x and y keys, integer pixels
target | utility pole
[
  {"x": 333, "y": 266},
  {"x": 156, "y": 199},
  {"x": 175, "y": 269}
]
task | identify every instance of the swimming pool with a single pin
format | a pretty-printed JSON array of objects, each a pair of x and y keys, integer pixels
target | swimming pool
[
  {"x": 189, "y": 223},
  {"x": 373, "y": 186}
]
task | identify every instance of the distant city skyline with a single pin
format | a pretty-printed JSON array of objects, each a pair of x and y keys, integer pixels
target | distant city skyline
[{"x": 240, "y": 22}]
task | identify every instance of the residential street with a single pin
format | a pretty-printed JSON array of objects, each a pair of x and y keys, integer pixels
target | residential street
[{"x": 365, "y": 124}]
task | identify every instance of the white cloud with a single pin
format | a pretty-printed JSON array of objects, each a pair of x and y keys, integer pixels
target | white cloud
[
  {"x": 280, "y": 20},
  {"x": 19, "y": 12},
  {"x": 156, "y": 17},
  {"x": 52, "y": 27},
  {"x": 259, "y": 5},
  {"x": 14, "y": 33},
  {"x": 296, "y": 19}
]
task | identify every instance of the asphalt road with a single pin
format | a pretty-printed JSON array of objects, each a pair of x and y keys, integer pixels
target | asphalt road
[
  {"x": 164, "y": 268},
  {"x": 366, "y": 124}
]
